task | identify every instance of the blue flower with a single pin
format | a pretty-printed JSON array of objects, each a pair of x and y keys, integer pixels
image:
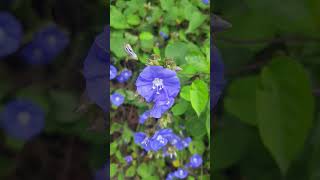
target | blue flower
[
  {"x": 124, "y": 76},
  {"x": 181, "y": 173},
  {"x": 116, "y": 99},
  {"x": 163, "y": 35},
  {"x": 143, "y": 140},
  {"x": 195, "y": 161},
  {"x": 95, "y": 73},
  {"x": 143, "y": 117},
  {"x": 46, "y": 45},
  {"x": 181, "y": 144},
  {"x": 128, "y": 159},
  {"x": 101, "y": 174},
  {"x": 158, "y": 83},
  {"x": 10, "y": 34},
  {"x": 170, "y": 176},
  {"x": 113, "y": 72},
  {"x": 205, "y": 2},
  {"x": 22, "y": 119},
  {"x": 161, "y": 106},
  {"x": 217, "y": 78},
  {"x": 158, "y": 141}
]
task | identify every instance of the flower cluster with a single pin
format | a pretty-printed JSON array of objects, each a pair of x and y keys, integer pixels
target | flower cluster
[
  {"x": 195, "y": 161},
  {"x": 160, "y": 86},
  {"x": 46, "y": 45},
  {"x": 160, "y": 140}
]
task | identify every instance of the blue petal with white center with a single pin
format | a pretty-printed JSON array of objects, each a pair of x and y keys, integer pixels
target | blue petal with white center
[
  {"x": 10, "y": 34},
  {"x": 22, "y": 119},
  {"x": 116, "y": 99}
]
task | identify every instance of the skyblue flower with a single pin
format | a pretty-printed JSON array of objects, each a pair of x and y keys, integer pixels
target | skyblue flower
[
  {"x": 170, "y": 176},
  {"x": 158, "y": 83},
  {"x": 158, "y": 141},
  {"x": 144, "y": 116},
  {"x": 22, "y": 119},
  {"x": 128, "y": 159},
  {"x": 195, "y": 161},
  {"x": 116, "y": 99},
  {"x": 163, "y": 35},
  {"x": 46, "y": 45},
  {"x": 95, "y": 72},
  {"x": 182, "y": 144},
  {"x": 161, "y": 106},
  {"x": 124, "y": 76},
  {"x": 181, "y": 173},
  {"x": 143, "y": 140},
  {"x": 205, "y": 2},
  {"x": 113, "y": 72},
  {"x": 10, "y": 34}
]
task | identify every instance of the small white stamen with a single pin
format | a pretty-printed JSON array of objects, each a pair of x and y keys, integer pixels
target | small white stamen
[
  {"x": 23, "y": 117},
  {"x": 157, "y": 84}
]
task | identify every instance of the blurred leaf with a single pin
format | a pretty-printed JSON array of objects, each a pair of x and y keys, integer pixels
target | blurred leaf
[
  {"x": 241, "y": 99},
  {"x": 146, "y": 40},
  {"x": 199, "y": 95},
  {"x": 196, "y": 126},
  {"x": 113, "y": 169},
  {"x": 113, "y": 147},
  {"x": 145, "y": 171},
  {"x": 117, "y": 19},
  {"x": 166, "y": 4},
  {"x": 185, "y": 93},
  {"x": 285, "y": 108},
  {"x": 133, "y": 20},
  {"x": 177, "y": 51},
  {"x": 197, "y": 147},
  {"x": 180, "y": 107},
  {"x": 231, "y": 144},
  {"x": 131, "y": 171},
  {"x": 64, "y": 104},
  {"x": 198, "y": 61},
  {"x": 196, "y": 20},
  {"x": 117, "y": 43}
]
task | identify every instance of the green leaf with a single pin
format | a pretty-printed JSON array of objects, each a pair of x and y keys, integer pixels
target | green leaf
[
  {"x": 198, "y": 61},
  {"x": 197, "y": 147},
  {"x": 285, "y": 108},
  {"x": 241, "y": 99},
  {"x": 231, "y": 144},
  {"x": 166, "y": 4},
  {"x": 117, "y": 19},
  {"x": 145, "y": 170},
  {"x": 208, "y": 122},
  {"x": 131, "y": 171},
  {"x": 146, "y": 40},
  {"x": 185, "y": 93},
  {"x": 64, "y": 104},
  {"x": 196, "y": 126},
  {"x": 199, "y": 95},
  {"x": 117, "y": 43},
  {"x": 180, "y": 107},
  {"x": 113, "y": 147},
  {"x": 196, "y": 20},
  {"x": 133, "y": 20},
  {"x": 177, "y": 51},
  {"x": 113, "y": 169}
]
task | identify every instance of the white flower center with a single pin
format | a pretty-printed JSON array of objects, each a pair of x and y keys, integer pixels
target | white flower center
[
  {"x": 157, "y": 84},
  {"x": 23, "y": 117},
  {"x": 160, "y": 139},
  {"x": 181, "y": 172},
  {"x": 117, "y": 98},
  {"x": 52, "y": 40}
]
